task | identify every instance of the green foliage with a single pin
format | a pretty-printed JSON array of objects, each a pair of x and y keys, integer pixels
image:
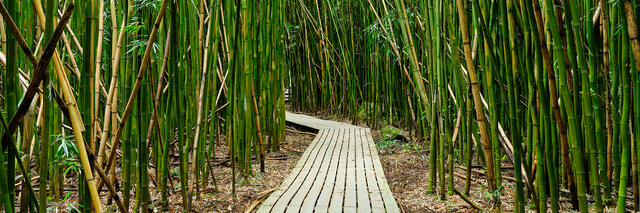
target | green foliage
[
  {"x": 175, "y": 172},
  {"x": 66, "y": 154},
  {"x": 384, "y": 145}
]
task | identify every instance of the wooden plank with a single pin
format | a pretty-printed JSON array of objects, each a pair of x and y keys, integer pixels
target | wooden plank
[
  {"x": 337, "y": 196},
  {"x": 285, "y": 197},
  {"x": 387, "y": 197},
  {"x": 302, "y": 187},
  {"x": 271, "y": 200},
  {"x": 361, "y": 180},
  {"x": 322, "y": 204},
  {"x": 315, "y": 179},
  {"x": 350, "y": 190},
  {"x": 349, "y": 209},
  {"x": 322, "y": 179},
  {"x": 374, "y": 192},
  {"x": 315, "y": 123}
]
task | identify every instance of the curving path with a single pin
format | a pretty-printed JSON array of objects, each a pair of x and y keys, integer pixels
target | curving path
[{"x": 339, "y": 172}]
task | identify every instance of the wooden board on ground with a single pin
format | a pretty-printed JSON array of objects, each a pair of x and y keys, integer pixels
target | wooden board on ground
[{"x": 339, "y": 172}]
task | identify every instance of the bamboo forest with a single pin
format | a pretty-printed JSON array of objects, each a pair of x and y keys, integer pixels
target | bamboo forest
[{"x": 320, "y": 106}]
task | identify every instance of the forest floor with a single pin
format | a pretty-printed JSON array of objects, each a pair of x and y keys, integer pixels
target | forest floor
[
  {"x": 248, "y": 192},
  {"x": 252, "y": 191},
  {"x": 406, "y": 168}
]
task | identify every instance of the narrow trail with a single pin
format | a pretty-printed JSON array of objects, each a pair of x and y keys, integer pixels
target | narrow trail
[{"x": 339, "y": 172}]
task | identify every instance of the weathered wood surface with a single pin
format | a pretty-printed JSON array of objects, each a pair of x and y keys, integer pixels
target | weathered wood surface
[
  {"x": 339, "y": 172},
  {"x": 315, "y": 123}
]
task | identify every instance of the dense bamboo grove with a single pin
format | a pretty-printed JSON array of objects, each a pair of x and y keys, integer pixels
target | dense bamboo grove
[
  {"x": 550, "y": 87},
  {"x": 110, "y": 93}
]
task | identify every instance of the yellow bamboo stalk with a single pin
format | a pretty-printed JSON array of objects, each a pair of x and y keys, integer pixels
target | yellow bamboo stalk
[
  {"x": 67, "y": 47},
  {"x": 3, "y": 34},
  {"x": 96, "y": 76},
  {"x": 73, "y": 36},
  {"x": 59, "y": 70},
  {"x": 75, "y": 118},
  {"x": 143, "y": 67},
  {"x": 110, "y": 104},
  {"x": 114, "y": 26},
  {"x": 203, "y": 81}
]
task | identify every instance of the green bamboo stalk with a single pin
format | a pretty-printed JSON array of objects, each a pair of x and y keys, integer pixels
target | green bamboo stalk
[
  {"x": 577, "y": 162},
  {"x": 517, "y": 146},
  {"x": 11, "y": 90},
  {"x": 44, "y": 146},
  {"x": 486, "y": 144}
]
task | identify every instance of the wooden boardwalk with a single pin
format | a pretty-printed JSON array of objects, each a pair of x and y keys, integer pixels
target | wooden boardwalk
[{"x": 339, "y": 172}]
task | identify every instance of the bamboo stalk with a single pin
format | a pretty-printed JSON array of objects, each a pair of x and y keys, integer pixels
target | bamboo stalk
[
  {"x": 476, "y": 98},
  {"x": 136, "y": 87}
]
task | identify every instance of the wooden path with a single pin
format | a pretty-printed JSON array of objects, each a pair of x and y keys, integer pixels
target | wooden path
[{"x": 339, "y": 172}]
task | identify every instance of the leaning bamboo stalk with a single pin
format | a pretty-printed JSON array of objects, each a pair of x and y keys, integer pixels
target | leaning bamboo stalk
[
  {"x": 67, "y": 47},
  {"x": 32, "y": 195},
  {"x": 413, "y": 58},
  {"x": 75, "y": 121},
  {"x": 143, "y": 67},
  {"x": 505, "y": 141},
  {"x": 394, "y": 47},
  {"x": 223, "y": 78},
  {"x": 73, "y": 36},
  {"x": 65, "y": 40},
  {"x": 78, "y": 126},
  {"x": 59, "y": 70},
  {"x": 3, "y": 34},
  {"x": 112, "y": 192},
  {"x": 20, "y": 39},
  {"x": 38, "y": 75},
  {"x": 466, "y": 199}
]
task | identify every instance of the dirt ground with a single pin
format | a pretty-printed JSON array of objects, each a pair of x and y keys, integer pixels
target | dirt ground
[
  {"x": 406, "y": 169},
  {"x": 255, "y": 188}
]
